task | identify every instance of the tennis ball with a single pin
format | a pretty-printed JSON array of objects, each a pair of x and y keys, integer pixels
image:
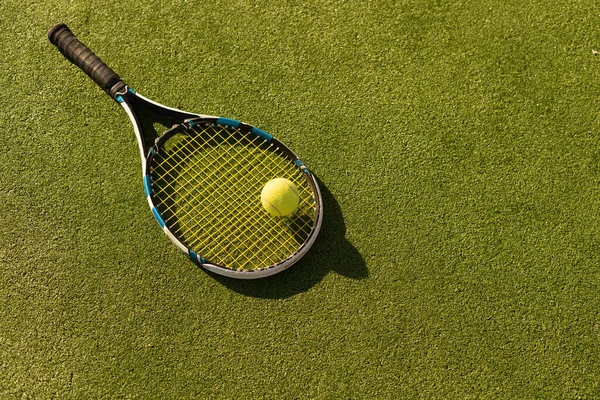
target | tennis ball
[{"x": 280, "y": 197}]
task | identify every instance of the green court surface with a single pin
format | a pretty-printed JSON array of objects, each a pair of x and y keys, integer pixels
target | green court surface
[{"x": 457, "y": 144}]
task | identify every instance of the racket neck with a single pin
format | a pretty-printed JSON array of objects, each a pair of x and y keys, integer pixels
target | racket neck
[{"x": 149, "y": 119}]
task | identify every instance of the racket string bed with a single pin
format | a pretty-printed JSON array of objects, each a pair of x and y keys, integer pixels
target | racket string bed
[
  {"x": 226, "y": 173},
  {"x": 215, "y": 205}
]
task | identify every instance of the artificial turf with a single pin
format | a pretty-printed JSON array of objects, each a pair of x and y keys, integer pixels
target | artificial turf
[{"x": 457, "y": 144}]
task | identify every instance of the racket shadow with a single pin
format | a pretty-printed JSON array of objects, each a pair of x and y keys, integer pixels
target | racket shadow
[{"x": 331, "y": 252}]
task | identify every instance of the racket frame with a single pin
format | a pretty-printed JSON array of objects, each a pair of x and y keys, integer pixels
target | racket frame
[{"x": 132, "y": 103}]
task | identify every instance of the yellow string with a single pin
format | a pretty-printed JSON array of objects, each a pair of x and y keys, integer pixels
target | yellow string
[{"x": 207, "y": 187}]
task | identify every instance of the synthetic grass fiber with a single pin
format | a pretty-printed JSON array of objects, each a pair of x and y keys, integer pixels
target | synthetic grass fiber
[{"x": 457, "y": 145}]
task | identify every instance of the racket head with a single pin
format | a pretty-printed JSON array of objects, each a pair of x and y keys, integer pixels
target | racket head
[{"x": 203, "y": 180}]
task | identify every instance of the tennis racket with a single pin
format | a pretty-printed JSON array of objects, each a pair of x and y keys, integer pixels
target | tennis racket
[{"x": 203, "y": 177}]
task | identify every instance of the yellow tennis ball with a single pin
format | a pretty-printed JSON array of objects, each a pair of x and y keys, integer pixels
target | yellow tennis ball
[{"x": 280, "y": 197}]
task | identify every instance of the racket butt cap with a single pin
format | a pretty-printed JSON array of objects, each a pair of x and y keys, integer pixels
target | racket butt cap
[{"x": 52, "y": 32}]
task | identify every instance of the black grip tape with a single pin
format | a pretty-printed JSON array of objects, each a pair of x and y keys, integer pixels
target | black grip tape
[{"x": 79, "y": 54}]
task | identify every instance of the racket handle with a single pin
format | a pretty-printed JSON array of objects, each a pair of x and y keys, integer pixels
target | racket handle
[{"x": 79, "y": 54}]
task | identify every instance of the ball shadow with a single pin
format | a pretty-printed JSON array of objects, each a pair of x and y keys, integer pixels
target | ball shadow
[{"x": 330, "y": 252}]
